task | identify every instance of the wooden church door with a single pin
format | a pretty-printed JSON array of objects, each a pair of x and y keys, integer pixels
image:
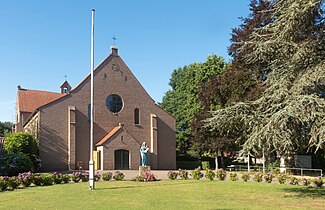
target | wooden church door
[{"x": 121, "y": 159}]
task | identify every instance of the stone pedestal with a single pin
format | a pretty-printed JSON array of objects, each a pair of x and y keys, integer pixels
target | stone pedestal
[{"x": 143, "y": 169}]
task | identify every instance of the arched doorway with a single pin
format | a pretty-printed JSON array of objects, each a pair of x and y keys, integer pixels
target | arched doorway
[{"x": 121, "y": 159}]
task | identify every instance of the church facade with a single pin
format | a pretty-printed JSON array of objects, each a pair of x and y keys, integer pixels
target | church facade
[{"x": 125, "y": 116}]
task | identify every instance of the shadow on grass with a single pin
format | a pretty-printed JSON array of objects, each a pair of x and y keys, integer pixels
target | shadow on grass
[
  {"x": 143, "y": 186},
  {"x": 307, "y": 192}
]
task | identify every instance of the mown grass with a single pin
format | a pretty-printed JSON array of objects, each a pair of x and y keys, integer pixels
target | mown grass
[{"x": 179, "y": 194}]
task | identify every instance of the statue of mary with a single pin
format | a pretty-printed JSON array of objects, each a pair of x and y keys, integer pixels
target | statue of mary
[{"x": 144, "y": 156}]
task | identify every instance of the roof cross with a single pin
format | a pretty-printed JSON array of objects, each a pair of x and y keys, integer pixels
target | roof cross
[{"x": 114, "y": 40}]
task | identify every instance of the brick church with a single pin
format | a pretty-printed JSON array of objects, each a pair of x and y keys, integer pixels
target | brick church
[{"x": 124, "y": 117}]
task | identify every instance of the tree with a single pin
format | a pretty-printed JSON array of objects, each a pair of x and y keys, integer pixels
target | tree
[
  {"x": 290, "y": 114},
  {"x": 182, "y": 100},
  {"x": 21, "y": 143},
  {"x": 5, "y": 127},
  {"x": 239, "y": 82}
]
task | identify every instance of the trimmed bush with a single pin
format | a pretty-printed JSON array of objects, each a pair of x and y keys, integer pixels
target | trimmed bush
[
  {"x": 47, "y": 179},
  {"x": 183, "y": 174},
  {"x": 118, "y": 176},
  {"x": 318, "y": 181},
  {"x": 268, "y": 177},
  {"x": 245, "y": 177},
  {"x": 209, "y": 174},
  {"x": 233, "y": 176},
  {"x": 197, "y": 174},
  {"x": 107, "y": 176},
  {"x": 258, "y": 177},
  {"x": 221, "y": 174},
  {"x": 305, "y": 182},
  {"x": 282, "y": 178},
  {"x": 172, "y": 175},
  {"x": 293, "y": 181},
  {"x": 13, "y": 164}
]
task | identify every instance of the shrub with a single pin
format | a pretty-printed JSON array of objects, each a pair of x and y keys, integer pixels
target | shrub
[
  {"x": 282, "y": 178},
  {"x": 197, "y": 174},
  {"x": 293, "y": 181},
  {"x": 21, "y": 143},
  {"x": 183, "y": 174},
  {"x": 149, "y": 177},
  {"x": 209, "y": 174},
  {"x": 245, "y": 177},
  {"x": 205, "y": 165},
  {"x": 76, "y": 176},
  {"x": 47, "y": 179},
  {"x": 268, "y": 177},
  {"x": 258, "y": 177},
  {"x": 84, "y": 177},
  {"x": 233, "y": 176},
  {"x": 96, "y": 177},
  {"x": 25, "y": 178},
  {"x": 305, "y": 182},
  {"x": 57, "y": 177},
  {"x": 12, "y": 183},
  {"x": 3, "y": 184},
  {"x": 318, "y": 181},
  {"x": 139, "y": 178},
  {"x": 221, "y": 174},
  {"x": 172, "y": 175},
  {"x": 107, "y": 176},
  {"x": 37, "y": 180},
  {"x": 118, "y": 176},
  {"x": 65, "y": 178},
  {"x": 13, "y": 164}
]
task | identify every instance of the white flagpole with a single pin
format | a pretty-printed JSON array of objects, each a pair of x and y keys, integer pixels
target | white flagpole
[{"x": 91, "y": 161}]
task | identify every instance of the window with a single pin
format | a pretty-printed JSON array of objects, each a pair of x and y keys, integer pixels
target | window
[
  {"x": 114, "y": 103},
  {"x": 137, "y": 116}
]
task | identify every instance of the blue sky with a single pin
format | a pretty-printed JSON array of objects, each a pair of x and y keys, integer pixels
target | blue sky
[{"x": 41, "y": 41}]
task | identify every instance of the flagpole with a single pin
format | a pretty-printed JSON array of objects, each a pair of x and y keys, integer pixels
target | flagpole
[{"x": 91, "y": 161}]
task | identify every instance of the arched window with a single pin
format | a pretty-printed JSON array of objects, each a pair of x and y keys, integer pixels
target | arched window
[{"x": 137, "y": 116}]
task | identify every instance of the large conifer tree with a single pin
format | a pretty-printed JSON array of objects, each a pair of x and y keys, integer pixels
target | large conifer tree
[{"x": 290, "y": 115}]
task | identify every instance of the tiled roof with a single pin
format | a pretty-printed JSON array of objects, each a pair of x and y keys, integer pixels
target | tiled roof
[
  {"x": 29, "y": 100},
  {"x": 108, "y": 136}
]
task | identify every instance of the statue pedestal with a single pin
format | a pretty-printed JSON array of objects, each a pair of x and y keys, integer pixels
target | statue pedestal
[{"x": 143, "y": 169}]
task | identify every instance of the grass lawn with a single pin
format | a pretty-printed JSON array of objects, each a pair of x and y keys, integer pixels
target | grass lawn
[{"x": 179, "y": 194}]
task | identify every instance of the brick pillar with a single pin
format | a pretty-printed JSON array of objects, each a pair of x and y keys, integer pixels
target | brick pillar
[
  {"x": 72, "y": 137},
  {"x": 153, "y": 142}
]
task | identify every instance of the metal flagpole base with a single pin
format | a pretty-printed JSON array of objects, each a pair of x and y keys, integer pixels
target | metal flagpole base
[{"x": 91, "y": 175}]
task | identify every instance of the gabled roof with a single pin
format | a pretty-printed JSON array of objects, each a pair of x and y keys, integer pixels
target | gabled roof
[
  {"x": 29, "y": 100},
  {"x": 108, "y": 136}
]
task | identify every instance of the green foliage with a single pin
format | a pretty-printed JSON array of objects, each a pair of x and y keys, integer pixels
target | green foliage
[
  {"x": 21, "y": 143},
  {"x": 318, "y": 181},
  {"x": 118, "y": 176},
  {"x": 172, "y": 175},
  {"x": 13, "y": 164},
  {"x": 233, "y": 176},
  {"x": 182, "y": 100},
  {"x": 5, "y": 128},
  {"x": 245, "y": 177},
  {"x": 107, "y": 176},
  {"x": 282, "y": 178},
  {"x": 47, "y": 179},
  {"x": 183, "y": 174},
  {"x": 289, "y": 115},
  {"x": 209, "y": 174},
  {"x": 258, "y": 177},
  {"x": 197, "y": 174},
  {"x": 268, "y": 177},
  {"x": 293, "y": 181},
  {"x": 221, "y": 174},
  {"x": 205, "y": 165}
]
